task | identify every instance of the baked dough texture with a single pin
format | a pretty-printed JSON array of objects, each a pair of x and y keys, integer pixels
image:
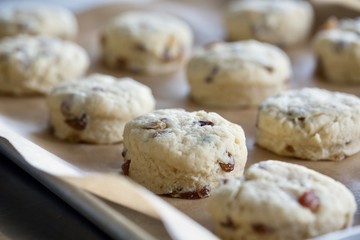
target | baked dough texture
[
  {"x": 237, "y": 74},
  {"x": 37, "y": 20},
  {"x": 36, "y": 64},
  {"x": 146, "y": 42},
  {"x": 96, "y": 108},
  {"x": 280, "y": 201},
  {"x": 280, "y": 22},
  {"x": 338, "y": 51},
  {"x": 311, "y": 124},
  {"x": 183, "y": 154}
]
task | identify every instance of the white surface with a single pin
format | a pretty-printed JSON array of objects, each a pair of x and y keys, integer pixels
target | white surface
[{"x": 37, "y": 156}]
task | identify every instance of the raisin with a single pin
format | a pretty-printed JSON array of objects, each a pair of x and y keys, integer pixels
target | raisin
[
  {"x": 289, "y": 149},
  {"x": 206, "y": 123},
  {"x": 22, "y": 26},
  {"x": 224, "y": 180},
  {"x": 228, "y": 223},
  {"x": 98, "y": 89},
  {"x": 200, "y": 193},
  {"x": 340, "y": 46},
  {"x": 203, "y": 192},
  {"x": 65, "y": 108},
  {"x": 140, "y": 47},
  {"x": 121, "y": 62},
  {"x": 228, "y": 167},
  {"x": 125, "y": 167},
  {"x": 77, "y": 123},
  {"x": 209, "y": 78},
  {"x": 166, "y": 56},
  {"x": 310, "y": 200},
  {"x": 269, "y": 69},
  {"x": 123, "y": 153},
  {"x": 261, "y": 228},
  {"x": 301, "y": 119},
  {"x": 158, "y": 125},
  {"x": 155, "y": 125}
]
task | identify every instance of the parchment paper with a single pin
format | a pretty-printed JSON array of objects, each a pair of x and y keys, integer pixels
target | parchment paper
[{"x": 28, "y": 116}]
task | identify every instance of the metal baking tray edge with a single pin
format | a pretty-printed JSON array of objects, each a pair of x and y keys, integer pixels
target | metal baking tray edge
[{"x": 107, "y": 219}]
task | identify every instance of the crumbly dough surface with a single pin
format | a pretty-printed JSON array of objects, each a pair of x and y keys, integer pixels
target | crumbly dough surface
[
  {"x": 338, "y": 51},
  {"x": 146, "y": 42},
  {"x": 36, "y": 64},
  {"x": 235, "y": 74},
  {"x": 280, "y": 22},
  {"x": 37, "y": 20},
  {"x": 95, "y": 109},
  {"x": 183, "y": 154},
  {"x": 281, "y": 201},
  {"x": 311, "y": 124}
]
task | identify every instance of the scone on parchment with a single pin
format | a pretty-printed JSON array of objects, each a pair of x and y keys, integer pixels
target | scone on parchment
[
  {"x": 183, "y": 154},
  {"x": 146, "y": 42},
  {"x": 237, "y": 74},
  {"x": 36, "y": 64},
  {"x": 311, "y": 124},
  {"x": 337, "y": 48},
  {"x": 95, "y": 109},
  {"x": 37, "y": 20},
  {"x": 280, "y": 22},
  {"x": 281, "y": 201}
]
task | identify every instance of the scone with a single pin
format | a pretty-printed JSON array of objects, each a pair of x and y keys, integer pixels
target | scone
[
  {"x": 337, "y": 48},
  {"x": 36, "y": 64},
  {"x": 280, "y": 22},
  {"x": 37, "y": 20},
  {"x": 183, "y": 154},
  {"x": 311, "y": 124},
  {"x": 95, "y": 109},
  {"x": 281, "y": 201},
  {"x": 146, "y": 42},
  {"x": 237, "y": 74}
]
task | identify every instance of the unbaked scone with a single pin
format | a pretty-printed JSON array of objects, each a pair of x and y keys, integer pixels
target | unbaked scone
[
  {"x": 36, "y": 64},
  {"x": 237, "y": 74},
  {"x": 281, "y": 201},
  {"x": 337, "y": 48},
  {"x": 95, "y": 109},
  {"x": 37, "y": 20},
  {"x": 280, "y": 22},
  {"x": 183, "y": 154},
  {"x": 311, "y": 124},
  {"x": 146, "y": 42}
]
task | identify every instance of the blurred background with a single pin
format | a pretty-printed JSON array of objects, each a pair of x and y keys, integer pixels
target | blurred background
[{"x": 75, "y": 5}]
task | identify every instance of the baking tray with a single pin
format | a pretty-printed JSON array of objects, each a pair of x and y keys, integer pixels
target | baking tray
[
  {"x": 28, "y": 116},
  {"x": 110, "y": 221}
]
